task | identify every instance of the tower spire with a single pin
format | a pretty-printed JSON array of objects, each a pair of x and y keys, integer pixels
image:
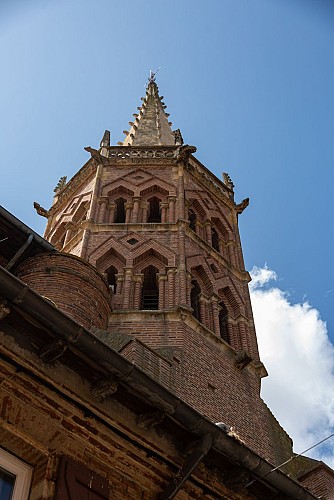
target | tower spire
[{"x": 150, "y": 126}]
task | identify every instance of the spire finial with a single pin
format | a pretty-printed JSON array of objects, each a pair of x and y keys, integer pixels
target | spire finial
[{"x": 151, "y": 78}]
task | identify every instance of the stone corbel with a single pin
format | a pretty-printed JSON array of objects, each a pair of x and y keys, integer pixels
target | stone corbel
[
  {"x": 4, "y": 309},
  {"x": 105, "y": 388}
]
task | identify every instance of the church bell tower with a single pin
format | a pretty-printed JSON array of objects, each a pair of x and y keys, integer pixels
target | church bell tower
[{"x": 163, "y": 231}]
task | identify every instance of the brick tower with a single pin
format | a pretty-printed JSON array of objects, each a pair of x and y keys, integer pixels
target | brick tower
[{"x": 163, "y": 230}]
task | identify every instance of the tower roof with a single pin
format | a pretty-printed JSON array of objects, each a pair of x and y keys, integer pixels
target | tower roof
[{"x": 151, "y": 126}]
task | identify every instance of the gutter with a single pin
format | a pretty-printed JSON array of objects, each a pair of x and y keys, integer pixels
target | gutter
[
  {"x": 26, "y": 230},
  {"x": 69, "y": 332}
]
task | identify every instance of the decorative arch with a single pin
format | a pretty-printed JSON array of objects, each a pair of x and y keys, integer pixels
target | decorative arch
[
  {"x": 231, "y": 301},
  {"x": 156, "y": 185},
  {"x": 223, "y": 228},
  {"x": 58, "y": 237},
  {"x": 111, "y": 257},
  {"x": 110, "y": 245},
  {"x": 118, "y": 187},
  {"x": 154, "y": 248},
  {"x": 198, "y": 209},
  {"x": 204, "y": 274},
  {"x": 81, "y": 211}
]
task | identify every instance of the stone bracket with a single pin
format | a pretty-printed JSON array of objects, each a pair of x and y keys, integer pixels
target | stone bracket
[
  {"x": 4, "y": 309},
  {"x": 242, "y": 360},
  {"x": 150, "y": 419},
  {"x": 104, "y": 388}
]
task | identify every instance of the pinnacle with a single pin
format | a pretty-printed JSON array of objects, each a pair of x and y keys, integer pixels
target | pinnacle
[{"x": 150, "y": 126}]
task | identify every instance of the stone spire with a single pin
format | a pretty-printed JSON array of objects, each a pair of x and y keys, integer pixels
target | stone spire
[{"x": 151, "y": 126}]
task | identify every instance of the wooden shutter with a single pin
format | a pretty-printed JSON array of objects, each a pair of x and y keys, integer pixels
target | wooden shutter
[{"x": 75, "y": 481}]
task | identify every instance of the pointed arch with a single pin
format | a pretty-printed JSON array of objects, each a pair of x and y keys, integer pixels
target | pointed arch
[
  {"x": 119, "y": 186},
  {"x": 223, "y": 228},
  {"x": 156, "y": 185},
  {"x": 231, "y": 301},
  {"x": 154, "y": 248},
  {"x": 198, "y": 209},
  {"x": 80, "y": 212},
  {"x": 110, "y": 245},
  {"x": 111, "y": 263}
]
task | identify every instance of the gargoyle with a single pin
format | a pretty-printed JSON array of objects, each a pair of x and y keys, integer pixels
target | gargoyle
[
  {"x": 40, "y": 210},
  {"x": 96, "y": 155},
  {"x": 184, "y": 152},
  {"x": 241, "y": 206}
]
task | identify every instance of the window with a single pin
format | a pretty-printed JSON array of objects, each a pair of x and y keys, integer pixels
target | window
[
  {"x": 15, "y": 477},
  {"x": 150, "y": 296},
  {"x": 120, "y": 211},
  {"x": 194, "y": 299},
  {"x": 154, "y": 214},
  {"x": 223, "y": 323}
]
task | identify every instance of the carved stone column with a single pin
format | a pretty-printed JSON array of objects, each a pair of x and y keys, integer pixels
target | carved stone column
[
  {"x": 144, "y": 207},
  {"x": 128, "y": 209},
  {"x": 215, "y": 315},
  {"x": 127, "y": 288},
  {"x": 171, "y": 208},
  {"x": 202, "y": 310},
  {"x": 111, "y": 212},
  {"x": 135, "y": 211},
  {"x": 103, "y": 201},
  {"x": 162, "y": 295},
  {"x": 170, "y": 302},
  {"x": 138, "y": 283},
  {"x": 163, "y": 207}
]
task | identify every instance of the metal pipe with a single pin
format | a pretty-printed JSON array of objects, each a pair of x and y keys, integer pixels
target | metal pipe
[{"x": 20, "y": 252}]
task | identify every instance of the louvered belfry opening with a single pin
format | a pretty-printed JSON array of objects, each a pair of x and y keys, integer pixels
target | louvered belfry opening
[
  {"x": 194, "y": 299},
  {"x": 111, "y": 277},
  {"x": 120, "y": 211},
  {"x": 215, "y": 239},
  {"x": 150, "y": 294},
  {"x": 223, "y": 323},
  {"x": 192, "y": 220},
  {"x": 154, "y": 214}
]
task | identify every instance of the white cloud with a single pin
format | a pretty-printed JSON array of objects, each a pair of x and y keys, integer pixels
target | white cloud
[{"x": 295, "y": 348}]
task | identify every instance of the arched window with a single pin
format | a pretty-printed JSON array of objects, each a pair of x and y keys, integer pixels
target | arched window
[
  {"x": 150, "y": 291},
  {"x": 192, "y": 220},
  {"x": 111, "y": 277},
  {"x": 120, "y": 211},
  {"x": 215, "y": 239},
  {"x": 223, "y": 323},
  {"x": 154, "y": 214},
  {"x": 194, "y": 299}
]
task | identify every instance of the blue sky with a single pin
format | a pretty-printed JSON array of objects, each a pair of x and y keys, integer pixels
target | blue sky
[{"x": 249, "y": 83}]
